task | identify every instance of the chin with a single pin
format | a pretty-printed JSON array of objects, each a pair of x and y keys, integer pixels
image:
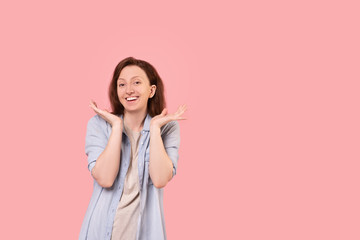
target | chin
[{"x": 135, "y": 110}]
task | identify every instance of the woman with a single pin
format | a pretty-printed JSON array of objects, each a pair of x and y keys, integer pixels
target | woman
[{"x": 132, "y": 154}]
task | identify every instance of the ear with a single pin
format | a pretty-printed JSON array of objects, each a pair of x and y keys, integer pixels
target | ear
[{"x": 152, "y": 91}]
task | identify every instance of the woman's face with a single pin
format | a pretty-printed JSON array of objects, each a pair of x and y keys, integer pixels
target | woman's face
[{"x": 133, "y": 89}]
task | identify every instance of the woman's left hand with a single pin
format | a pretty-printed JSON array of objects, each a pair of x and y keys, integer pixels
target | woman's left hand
[{"x": 163, "y": 118}]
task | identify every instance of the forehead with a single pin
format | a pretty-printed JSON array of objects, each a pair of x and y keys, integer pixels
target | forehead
[{"x": 131, "y": 71}]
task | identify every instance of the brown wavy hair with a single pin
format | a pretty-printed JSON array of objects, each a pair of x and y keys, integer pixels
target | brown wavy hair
[{"x": 155, "y": 104}]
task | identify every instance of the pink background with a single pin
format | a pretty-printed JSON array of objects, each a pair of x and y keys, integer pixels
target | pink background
[{"x": 270, "y": 149}]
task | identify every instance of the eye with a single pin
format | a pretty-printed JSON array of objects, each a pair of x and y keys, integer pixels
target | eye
[
  {"x": 121, "y": 84},
  {"x": 137, "y": 82}
]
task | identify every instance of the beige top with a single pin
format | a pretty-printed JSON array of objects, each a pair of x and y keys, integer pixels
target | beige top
[{"x": 127, "y": 212}]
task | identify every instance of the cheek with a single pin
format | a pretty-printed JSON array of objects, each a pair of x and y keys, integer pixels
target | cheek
[
  {"x": 119, "y": 92},
  {"x": 147, "y": 91},
  {"x": 119, "y": 95}
]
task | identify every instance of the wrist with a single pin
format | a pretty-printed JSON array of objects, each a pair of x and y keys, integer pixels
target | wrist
[
  {"x": 117, "y": 126},
  {"x": 154, "y": 129}
]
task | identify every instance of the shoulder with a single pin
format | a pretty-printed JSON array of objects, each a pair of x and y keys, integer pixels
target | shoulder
[
  {"x": 97, "y": 122},
  {"x": 170, "y": 127}
]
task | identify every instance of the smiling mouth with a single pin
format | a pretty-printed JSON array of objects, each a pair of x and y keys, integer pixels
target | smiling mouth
[{"x": 129, "y": 99}]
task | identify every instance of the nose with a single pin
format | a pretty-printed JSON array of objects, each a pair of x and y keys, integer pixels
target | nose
[{"x": 129, "y": 89}]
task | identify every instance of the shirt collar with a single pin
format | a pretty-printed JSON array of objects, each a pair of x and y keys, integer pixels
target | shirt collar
[{"x": 146, "y": 126}]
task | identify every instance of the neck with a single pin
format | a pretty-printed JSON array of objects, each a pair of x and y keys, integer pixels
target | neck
[{"x": 134, "y": 120}]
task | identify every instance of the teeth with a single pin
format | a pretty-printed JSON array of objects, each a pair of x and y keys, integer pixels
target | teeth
[{"x": 131, "y": 98}]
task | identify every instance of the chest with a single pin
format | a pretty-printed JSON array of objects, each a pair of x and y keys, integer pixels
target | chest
[{"x": 142, "y": 156}]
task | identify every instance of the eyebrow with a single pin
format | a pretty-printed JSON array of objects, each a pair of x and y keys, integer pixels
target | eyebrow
[{"x": 130, "y": 79}]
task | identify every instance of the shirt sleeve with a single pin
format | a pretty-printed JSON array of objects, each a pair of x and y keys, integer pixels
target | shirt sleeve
[
  {"x": 171, "y": 140},
  {"x": 95, "y": 141}
]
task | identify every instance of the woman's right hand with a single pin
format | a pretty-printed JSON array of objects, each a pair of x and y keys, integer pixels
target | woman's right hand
[{"x": 106, "y": 115}]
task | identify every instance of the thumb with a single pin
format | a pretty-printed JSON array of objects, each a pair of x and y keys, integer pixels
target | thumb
[{"x": 164, "y": 112}]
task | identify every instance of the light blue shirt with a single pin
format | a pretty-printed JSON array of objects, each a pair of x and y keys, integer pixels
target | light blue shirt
[{"x": 100, "y": 214}]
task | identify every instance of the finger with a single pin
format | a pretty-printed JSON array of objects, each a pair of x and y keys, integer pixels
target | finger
[
  {"x": 180, "y": 118},
  {"x": 97, "y": 110},
  {"x": 102, "y": 112},
  {"x": 184, "y": 107},
  {"x": 93, "y": 102},
  {"x": 92, "y": 105},
  {"x": 178, "y": 110},
  {"x": 181, "y": 110}
]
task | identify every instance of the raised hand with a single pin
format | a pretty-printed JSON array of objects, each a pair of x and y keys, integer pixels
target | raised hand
[
  {"x": 106, "y": 115},
  {"x": 163, "y": 118}
]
